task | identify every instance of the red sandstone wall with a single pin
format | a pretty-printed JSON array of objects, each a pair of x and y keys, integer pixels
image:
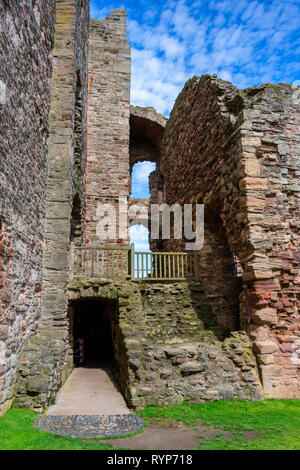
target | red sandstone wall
[
  {"x": 26, "y": 41},
  {"x": 271, "y": 299},
  {"x": 238, "y": 153}
]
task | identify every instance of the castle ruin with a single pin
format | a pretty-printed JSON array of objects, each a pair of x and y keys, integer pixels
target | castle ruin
[{"x": 69, "y": 140}]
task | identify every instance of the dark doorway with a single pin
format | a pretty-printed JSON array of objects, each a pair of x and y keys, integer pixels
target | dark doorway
[
  {"x": 96, "y": 322},
  {"x": 220, "y": 272},
  {"x": 92, "y": 332}
]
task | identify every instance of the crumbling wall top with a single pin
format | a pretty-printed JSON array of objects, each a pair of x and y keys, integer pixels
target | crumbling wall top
[{"x": 114, "y": 25}]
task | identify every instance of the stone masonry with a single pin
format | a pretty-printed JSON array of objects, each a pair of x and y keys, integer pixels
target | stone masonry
[
  {"x": 68, "y": 141},
  {"x": 168, "y": 348},
  {"x": 26, "y": 41},
  {"x": 107, "y": 175},
  {"x": 244, "y": 147},
  {"x": 43, "y": 355}
]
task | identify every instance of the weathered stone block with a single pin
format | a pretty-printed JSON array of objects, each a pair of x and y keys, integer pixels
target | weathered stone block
[
  {"x": 38, "y": 384},
  {"x": 265, "y": 316},
  {"x": 265, "y": 347},
  {"x": 191, "y": 368}
]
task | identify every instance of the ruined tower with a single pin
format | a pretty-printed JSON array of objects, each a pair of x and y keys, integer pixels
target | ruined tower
[{"x": 69, "y": 140}]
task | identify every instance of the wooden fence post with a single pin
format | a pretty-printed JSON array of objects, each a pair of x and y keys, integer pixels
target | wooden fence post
[{"x": 132, "y": 261}]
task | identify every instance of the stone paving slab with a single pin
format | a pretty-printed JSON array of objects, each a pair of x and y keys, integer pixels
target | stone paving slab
[
  {"x": 89, "y": 391},
  {"x": 86, "y": 426}
]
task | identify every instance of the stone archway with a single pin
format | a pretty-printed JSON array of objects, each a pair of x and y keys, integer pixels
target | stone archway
[
  {"x": 107, "y": 303},
  {"x": 146, "y": 133},
  {"x": 95, "y": 320}
]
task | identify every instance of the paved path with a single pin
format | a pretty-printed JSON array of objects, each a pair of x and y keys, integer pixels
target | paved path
[{"x": 89, "y": 391}]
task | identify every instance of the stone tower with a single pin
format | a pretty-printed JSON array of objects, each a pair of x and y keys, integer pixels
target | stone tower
[{"x": 68, "y": 142}]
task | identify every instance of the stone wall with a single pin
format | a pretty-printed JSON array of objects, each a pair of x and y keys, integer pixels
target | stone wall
[
  {"x": 237, "y": 152},
  {"x": 107, "y": 172},
  {"x": 65, "y": 179},
  {"x": 26, "y": 42},
  {"x": 168, "y": 348},
  {"x": 271, "y": 300}
]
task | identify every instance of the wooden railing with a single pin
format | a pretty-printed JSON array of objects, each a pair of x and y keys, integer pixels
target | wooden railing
[
  {"x": 94, "y": 262},
  {"x": 164, "y": 266},
  {"x": 123, "y": 263}
]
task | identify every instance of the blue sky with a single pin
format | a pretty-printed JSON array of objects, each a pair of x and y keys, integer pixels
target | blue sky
[
  {"x": 140, "y": 179},
  {"x": 140, "y": 190},
  {"x": 246, "y": 42}
]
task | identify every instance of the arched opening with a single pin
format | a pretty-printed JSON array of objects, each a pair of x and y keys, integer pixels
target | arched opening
[
  {"x": 140, "y": 184},
  {"x": 139, "y": 235},
  {"x": 93, "y": 324},
  {"x": 97, "y": 360},
  {"x": 146, "y": 133},
  {"x": 139, "y": 223}
]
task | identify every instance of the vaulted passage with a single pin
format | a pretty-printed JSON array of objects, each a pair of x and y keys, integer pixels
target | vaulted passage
[
  {"x": 91, "y": 332},
  {"x": 97, "y": 343},
  {"x": 93, "y": 387}
]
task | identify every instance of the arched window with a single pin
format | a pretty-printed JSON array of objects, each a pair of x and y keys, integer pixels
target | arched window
[
  {"x": 139, "y": 235},
  {"x": 140, "y": 188}
]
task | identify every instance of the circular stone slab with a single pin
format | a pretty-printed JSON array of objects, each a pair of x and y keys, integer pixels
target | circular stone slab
[{"x": 90, "y": 426}]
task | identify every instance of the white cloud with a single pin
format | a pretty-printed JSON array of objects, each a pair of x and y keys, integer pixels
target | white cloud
[
  {"x": 155, "y": 80},
  {"x": 143, "y": 170},
  {"x": 225, "y": 75},
  {"x": 247, "y": 42},
  {"x": 140, "y": 179},
  {"x": 99, "y": 13},
  {"x": 139, "y": 235}
]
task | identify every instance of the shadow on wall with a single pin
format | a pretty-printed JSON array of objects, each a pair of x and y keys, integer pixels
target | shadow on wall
[{"x": 220, "y": 272}]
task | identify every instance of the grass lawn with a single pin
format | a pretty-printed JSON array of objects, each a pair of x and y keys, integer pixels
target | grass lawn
[
  {"x": 275, "y": 422},
  {"x": 17, "y": 433}
]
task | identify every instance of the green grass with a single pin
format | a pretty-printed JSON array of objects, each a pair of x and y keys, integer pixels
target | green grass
[
  {"x": 276, "y": 422},
  {"x": 17, "y": 433}
]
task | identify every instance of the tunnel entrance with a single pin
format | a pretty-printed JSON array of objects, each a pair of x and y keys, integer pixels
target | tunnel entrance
[
  {"x": 96, "y": 363},
  {"x": 92, "y": 330}
]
